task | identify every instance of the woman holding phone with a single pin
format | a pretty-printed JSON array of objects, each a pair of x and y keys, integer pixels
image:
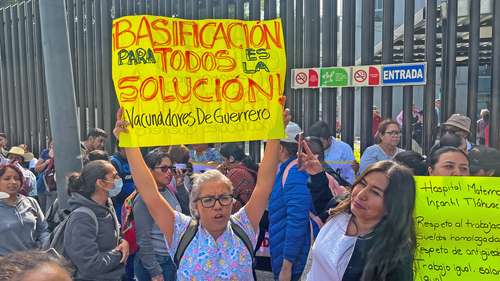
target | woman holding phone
[{"x": 370, "y": 235}]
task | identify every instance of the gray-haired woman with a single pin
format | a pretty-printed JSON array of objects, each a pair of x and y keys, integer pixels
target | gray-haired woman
[{"x": 216, "y": 251}]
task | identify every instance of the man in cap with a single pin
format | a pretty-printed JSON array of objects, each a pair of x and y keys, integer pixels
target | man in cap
[
  {"x": 457, "y": 124},
  {"x": 18, "y": 156},
  {"x": 289, "y": 205}
]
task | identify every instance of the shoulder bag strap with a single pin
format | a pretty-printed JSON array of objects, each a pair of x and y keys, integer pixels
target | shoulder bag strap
[
  {"x": 91, "y": 213},
  {"x": 185, "y": 240},
  {"x": 286, "y": 171},
  {"x": 246, "y": 240}
]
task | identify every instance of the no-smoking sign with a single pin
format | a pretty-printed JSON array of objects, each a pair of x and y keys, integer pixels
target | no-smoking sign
[
  {"x": 301, "y": 78},
  {"x": 360, "y": 75},
  {"x": 365, "y": 76},
  {"x": 305, "y": 78}
]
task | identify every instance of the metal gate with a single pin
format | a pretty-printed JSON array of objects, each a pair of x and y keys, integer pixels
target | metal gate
[{"x": 315, "y": 31}]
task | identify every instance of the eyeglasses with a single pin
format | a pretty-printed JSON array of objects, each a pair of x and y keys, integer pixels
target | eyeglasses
[
  {"x": 165, "y": 169},
  {"x": 209, "y": 201},
  {"x": 393, "y": 133}
]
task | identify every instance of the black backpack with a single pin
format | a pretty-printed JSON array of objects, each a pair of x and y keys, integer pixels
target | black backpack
[{"x": 191, "y": 231}]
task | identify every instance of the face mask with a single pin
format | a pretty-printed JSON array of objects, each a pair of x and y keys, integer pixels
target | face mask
[{"x": 116, "y": 189}]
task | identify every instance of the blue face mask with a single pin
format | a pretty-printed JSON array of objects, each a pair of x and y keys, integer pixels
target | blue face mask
[{"x": 117, "y": 188}]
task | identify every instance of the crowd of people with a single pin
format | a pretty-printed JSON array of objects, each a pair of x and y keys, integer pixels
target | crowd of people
[{"x": 153, "y": 215}]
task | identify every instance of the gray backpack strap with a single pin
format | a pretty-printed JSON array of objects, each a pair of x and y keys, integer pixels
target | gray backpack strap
[
  {"x": 116, "y": 222},
  {"x": 91, "y": 213},
  {"x": 246, "y": 240},
  {"x": 186, "y": 238}
]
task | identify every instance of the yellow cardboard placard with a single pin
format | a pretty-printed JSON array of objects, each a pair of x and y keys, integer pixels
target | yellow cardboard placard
[
  {"x": 198, "y": 81},
  {"x": 458, "y": 228}
]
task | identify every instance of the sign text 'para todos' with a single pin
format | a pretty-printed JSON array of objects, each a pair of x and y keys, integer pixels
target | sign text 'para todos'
[{"x": 198, "y": 81}]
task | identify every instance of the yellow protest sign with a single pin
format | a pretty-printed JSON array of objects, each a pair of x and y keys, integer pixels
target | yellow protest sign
[
  {"x": 198, "y": 81},
  {"x": 458, "y": 228}
]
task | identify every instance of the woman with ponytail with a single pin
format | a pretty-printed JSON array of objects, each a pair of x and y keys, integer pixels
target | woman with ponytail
[
  {"x": 370, "y": 235},
  {"x": 92, "y": 239}
]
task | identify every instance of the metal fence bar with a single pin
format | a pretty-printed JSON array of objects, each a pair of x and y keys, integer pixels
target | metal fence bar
[
  {"x": 430, "y": 122},
  {"x": 329, "y": 55},
  {"x": 70, "y": 10},
  {"x": 409, "y": 30},
  {"x": 155, "y": 7},
  {"x": 240, "y": 8},
  {"x": 254, "y": 146},
  {"x": 188, "y": 10},
  {"x": 495, "y": 81},
  {"x": 473, "y": 73},
  {"x": 109, "y": 105},
  {"x": 80, "y": 60},
  {"x": 224, "y": 8},
  {"x": 98, "y": 61},
  {"x": 348, "y": 57},
  {"x": 17, "y": 77},
  {"x": 297, "y": 101},
  {"x": 311, "y": 59},
  {"x": 23, "y": 67},
  {"x": 270, "y": 9},
  {"x": 367, "y": 38},
  {"x": 41, "y": 90},
  {"x": 4, "y": 71},
  {"x": 387, "y": 53},
  {"x": 451, "y": 72},
  {"x": 167, "y": 8},
  {"x": 90, "y": 62},
  {"x": 444, "y": 62}
]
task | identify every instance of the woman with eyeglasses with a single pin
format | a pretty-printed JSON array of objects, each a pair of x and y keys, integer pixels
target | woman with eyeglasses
[
  {"x": 154, "y": 262},
  {"x": 387, "y": 140},
  {"x": 218, "y": 249},
  {"x": 92, "y": 240}
]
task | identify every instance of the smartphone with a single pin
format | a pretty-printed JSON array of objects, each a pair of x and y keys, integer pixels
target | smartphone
[
  {"x": 299, "y": 150},
  {"x": 181, "y": 166}
]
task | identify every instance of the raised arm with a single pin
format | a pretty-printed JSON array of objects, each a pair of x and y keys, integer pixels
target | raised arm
[
  {"x": 160, "y": 210},
  {"x": 265, "y": 181}
]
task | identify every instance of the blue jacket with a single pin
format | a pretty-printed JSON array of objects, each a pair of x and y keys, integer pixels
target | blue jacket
[{"x": 289, "y": 231}]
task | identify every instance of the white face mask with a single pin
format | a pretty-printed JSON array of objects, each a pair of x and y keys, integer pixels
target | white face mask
[{"x": 117, "y": 188}]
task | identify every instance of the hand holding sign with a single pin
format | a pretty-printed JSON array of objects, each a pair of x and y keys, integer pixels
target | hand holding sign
[{"x": 120, "y": 124}]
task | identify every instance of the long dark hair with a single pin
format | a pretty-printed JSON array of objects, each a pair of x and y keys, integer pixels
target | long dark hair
[
  {"x": 233, "y": 149},
  {"x": 84, "y": 182},
  {"x": 394, "y": 236}
]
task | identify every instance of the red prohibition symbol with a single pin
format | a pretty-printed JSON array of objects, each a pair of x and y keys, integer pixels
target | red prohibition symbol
[
  {"x": 301, "y": 78},
  {"x": 360, "y": 75}
]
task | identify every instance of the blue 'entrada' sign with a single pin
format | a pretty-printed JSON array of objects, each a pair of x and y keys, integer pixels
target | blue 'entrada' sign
[{"x": 404, "y": 74}]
